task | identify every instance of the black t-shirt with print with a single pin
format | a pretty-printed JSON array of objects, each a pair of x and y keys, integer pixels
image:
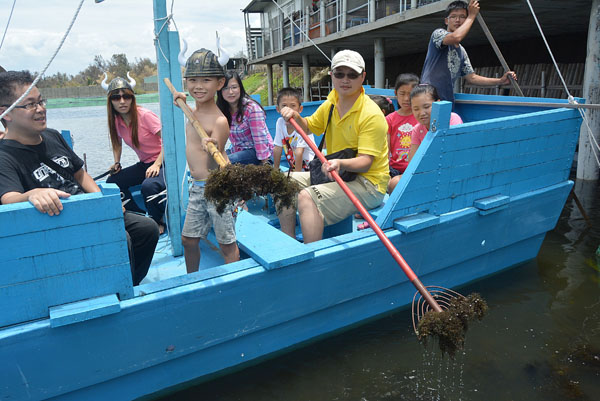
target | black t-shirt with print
[{"x": 21, "y": 169}]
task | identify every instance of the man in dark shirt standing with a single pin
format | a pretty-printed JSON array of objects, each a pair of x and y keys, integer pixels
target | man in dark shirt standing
[
  {"x": 447, "y": 60},
  {"x": 37, "y": 165}
]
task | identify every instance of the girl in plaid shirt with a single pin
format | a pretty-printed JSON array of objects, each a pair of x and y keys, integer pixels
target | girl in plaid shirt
[{"x": 249, "y": 135}]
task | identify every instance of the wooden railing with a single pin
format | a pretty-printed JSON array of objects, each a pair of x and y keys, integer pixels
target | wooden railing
[{"x": 330, "y": 17}]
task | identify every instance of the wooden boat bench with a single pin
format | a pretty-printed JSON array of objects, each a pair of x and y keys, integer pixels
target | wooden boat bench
[
  {"x": 68, "y": 268},
  {"x": 268, "y": 245}
]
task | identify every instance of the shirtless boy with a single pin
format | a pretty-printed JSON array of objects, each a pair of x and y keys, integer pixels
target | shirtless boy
[{"x": 204, "y": 76}]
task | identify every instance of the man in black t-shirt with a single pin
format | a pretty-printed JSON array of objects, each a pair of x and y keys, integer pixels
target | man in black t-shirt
[{"x": 38, "y": 166}]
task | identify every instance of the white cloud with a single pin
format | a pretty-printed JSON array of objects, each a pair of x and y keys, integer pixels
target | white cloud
[{"x": 111, "y": 27}]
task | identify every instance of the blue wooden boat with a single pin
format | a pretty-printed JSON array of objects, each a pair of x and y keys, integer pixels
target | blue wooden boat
[{"x": 477, "y": 198}]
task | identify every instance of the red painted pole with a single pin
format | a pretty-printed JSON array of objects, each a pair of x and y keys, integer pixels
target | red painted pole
[{"x": 365, "y": 214}]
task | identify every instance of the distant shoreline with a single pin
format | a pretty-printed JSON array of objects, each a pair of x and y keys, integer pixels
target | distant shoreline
[{"x": 58, "y": 103}]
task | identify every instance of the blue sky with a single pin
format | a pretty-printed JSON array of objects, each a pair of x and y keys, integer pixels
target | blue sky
[{"x": 113, "y": 26}]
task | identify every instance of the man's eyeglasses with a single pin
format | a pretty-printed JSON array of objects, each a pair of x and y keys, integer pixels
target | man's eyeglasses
[
  {"x": 233, "y": 88},
  {"x": 30, "y": 106},
  {"x": 125, "y": 96},
  {"x": 457, "y": 17},
  {"x": 351, "y": 75}
]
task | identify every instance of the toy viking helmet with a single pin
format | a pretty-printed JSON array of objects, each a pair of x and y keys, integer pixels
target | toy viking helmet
[
  {"x": 118, "y": 83},
  {"x": 203, "y": 62}
]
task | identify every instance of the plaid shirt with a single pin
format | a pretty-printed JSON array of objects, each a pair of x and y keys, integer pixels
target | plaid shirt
[{"x": 252, "y": 132}]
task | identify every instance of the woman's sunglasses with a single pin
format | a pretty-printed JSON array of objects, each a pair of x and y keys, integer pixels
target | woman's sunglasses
[{"x": 125, "y": 96}]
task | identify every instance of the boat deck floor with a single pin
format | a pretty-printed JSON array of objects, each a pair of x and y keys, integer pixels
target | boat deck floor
[{"x": 165, "y": 266}]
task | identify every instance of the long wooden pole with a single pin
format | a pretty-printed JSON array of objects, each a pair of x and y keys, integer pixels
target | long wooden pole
[
  {"x": 490, "y": 38},
  {"x": 212, "y": 149}
]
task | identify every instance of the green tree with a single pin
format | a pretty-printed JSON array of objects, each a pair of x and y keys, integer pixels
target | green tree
[{"x": 118, "y": 65}]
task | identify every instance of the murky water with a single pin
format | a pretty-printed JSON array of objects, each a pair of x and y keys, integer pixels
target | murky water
[{"x": 540, "y": 340}]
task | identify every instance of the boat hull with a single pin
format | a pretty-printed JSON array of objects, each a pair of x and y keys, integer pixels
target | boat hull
[
  {"x": 178, "y": 331},
  {"x": 476, "y": 199}
]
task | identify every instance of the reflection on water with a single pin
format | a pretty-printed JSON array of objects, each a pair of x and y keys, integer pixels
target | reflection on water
[
  {"x": 540, "y": 340},
  {"x": 89, "y": 128}
]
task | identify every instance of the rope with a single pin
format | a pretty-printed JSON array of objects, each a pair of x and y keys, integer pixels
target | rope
[
  {"x": 167, "y": 19},
  {"x": 300, "y": 29},
  {"x": 156, "y": 34},
  {"x": 8, "y": 23},
  {"x": 35, "y": 81},
  {"x": 571, "y": 100},
  {"x": 570, "y": 97}
]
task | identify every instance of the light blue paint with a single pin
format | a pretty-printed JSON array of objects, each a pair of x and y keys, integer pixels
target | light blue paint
[
  {"x": 81, "y": 311},
  {"x": 173, "y": 132},
  {"x": 491, "y": 202},
  {"x": 514, "y": 166},
  {"x": 416, "y": 222},
  {"x": 52, "y": 260},
  {"x": 268, "y": 245}
]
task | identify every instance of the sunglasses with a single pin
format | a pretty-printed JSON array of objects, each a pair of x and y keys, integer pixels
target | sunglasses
[
  {"x": 351, "y": 75},
  {"x": 125, "y": 96}
]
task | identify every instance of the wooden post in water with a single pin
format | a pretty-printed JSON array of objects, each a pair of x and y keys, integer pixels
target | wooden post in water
[
  {"x": 587, "y": 166},
  {"x": 173, "y": 129}
]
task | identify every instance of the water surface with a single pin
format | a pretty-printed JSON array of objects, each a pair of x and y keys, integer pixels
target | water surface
[{"x": 539, "y": 342}]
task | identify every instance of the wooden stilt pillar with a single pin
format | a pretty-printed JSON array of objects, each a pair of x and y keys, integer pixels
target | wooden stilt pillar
[{"x": 587, "y": 165}]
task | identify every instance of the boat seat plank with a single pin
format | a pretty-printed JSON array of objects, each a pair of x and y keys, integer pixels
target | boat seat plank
[
  {"x": 491, "y": 202},
  {"x": 416, "y": 222},
  {"x": 342, "y": 227},
  {"x": 267, "y": 245},
  {"x": 81, "y": 311}
]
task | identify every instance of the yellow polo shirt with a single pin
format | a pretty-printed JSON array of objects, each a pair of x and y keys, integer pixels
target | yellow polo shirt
[{"x": 363, "y": 128}]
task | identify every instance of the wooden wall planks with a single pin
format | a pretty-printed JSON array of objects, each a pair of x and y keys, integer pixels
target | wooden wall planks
[{"x": 52, "y": 260}]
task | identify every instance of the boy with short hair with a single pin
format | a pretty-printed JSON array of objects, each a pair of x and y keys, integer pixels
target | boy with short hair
[
  {"x": 204, "y": 76},
  {"x": 297, "y": 151},
  {"x": 447, "y": 60},
  {"x": 400, "y": 125}
]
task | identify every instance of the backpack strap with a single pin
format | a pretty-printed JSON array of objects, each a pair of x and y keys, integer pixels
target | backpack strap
[
  {"x": 59, "y": 169},
  {"x": 327, "y": 126}
]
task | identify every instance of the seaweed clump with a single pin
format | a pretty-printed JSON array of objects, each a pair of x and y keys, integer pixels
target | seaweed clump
[
  {"x": 450, "y": 325},
  {"x": 236, "y": 182}
]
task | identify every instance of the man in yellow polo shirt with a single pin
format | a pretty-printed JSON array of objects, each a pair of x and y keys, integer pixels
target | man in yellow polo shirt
[{"x": 357, "y": 123}]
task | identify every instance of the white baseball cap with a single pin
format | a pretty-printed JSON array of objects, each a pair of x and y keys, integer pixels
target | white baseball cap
[{"x": 348, "y": 58}]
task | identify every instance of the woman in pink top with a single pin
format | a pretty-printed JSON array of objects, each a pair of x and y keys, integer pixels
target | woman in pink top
[
  {"x": 421, "y": 98},
  {"x": 140, "y": 128}
]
